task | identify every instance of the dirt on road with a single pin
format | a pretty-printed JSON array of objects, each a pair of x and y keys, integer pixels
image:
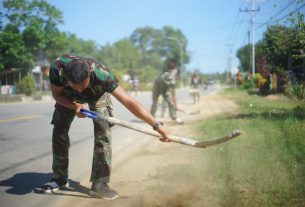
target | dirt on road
[{"x": 152, "y": 173}]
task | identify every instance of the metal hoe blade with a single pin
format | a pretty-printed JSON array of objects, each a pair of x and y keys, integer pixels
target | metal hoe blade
[{"x": 230, "y": 136}]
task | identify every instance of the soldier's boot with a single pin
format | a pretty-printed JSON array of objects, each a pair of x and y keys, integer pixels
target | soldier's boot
[{"x": 102, "y": 190}]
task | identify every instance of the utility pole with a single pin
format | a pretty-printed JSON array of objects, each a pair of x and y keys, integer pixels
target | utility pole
[
  {"x": 249, "y": 63},
  {"x": 252, "y": 11},
  {"x": 229, "y": 67}
]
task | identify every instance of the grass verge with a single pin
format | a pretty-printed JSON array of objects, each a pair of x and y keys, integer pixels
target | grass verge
[{"x": 265, "y": 166}]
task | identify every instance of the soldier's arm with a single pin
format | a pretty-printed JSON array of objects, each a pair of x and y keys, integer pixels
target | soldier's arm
[
  {"x": 137, "y": 109},
  {"x": 60, "y": 98}
]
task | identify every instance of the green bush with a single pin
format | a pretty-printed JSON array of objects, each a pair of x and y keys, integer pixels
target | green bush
[
  {"x": 249, "y": 84},
  {"x": 299, "y": 91},
  {"x": 26, "y": 85}
]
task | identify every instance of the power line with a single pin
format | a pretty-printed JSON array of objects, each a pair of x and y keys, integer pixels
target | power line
[
  {"x": 236, "y": 22},
  {"x": 279, "y": 19},
  {"x": 290, "y": 13},
  {"x": 283, "y": 9},
  {"x": 245, "y": 38},
  {"x": 229, "y": 66}
]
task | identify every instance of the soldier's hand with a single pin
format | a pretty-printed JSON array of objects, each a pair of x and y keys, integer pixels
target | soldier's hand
[
  {"x": 79, "y": 106},
  {"x": 164, "y": 134}
]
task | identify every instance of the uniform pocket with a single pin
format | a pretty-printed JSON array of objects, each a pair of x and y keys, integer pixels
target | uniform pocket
[{"x": 62, "y": 116}]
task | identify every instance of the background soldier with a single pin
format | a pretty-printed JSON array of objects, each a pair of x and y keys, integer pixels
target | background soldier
[
  {"x": 196, "y": 84},
  {"x": 165, "y": 85}
]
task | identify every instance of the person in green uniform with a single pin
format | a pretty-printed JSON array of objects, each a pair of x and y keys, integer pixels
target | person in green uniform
[
  {"x": 165, "y": 85},
  {"x": 195, "y": 85},
  {"x": 76, "y": 81}
]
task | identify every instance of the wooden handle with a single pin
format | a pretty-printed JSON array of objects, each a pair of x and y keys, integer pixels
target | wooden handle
[{"x": 148, "y": 131}]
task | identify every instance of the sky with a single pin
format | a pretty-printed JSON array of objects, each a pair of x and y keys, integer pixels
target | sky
[{"x": 215, "y": 29}]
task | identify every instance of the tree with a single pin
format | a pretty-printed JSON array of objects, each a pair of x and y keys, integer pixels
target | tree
[
  {"x": 155, "y": 43},
  {"x": 244, "y": 54},
  {"x": 13, "y": 53},
  {"x": 298, "y": 52},
  {"x": 172, "y": 47},
  {"x": 121, "y": 55},
  {"x": 283, "y": 45},
  {"x": 277, "y": 41},
  {"x": 35, "y": 24},
  {"x": 73, "y": 45}
]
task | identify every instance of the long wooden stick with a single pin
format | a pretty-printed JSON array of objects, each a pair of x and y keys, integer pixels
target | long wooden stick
[{"x": 149, "y": 131}]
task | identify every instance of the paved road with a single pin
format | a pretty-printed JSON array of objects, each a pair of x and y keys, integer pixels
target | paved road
[{"x": 25, "y": 149}]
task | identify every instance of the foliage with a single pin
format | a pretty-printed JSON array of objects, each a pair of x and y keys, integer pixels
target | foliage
[
  {"x": 143, "y": 53},
  {"x": 282, "y": 81},
  {"x": 32, "y": 28},
  {"x": 260, "y": 80},
  {"x": 121, "y": 55},
  {"x": 150, "y": 41},
  {"x": 75, "y": 46},
  {"x": 297, "y": 91},
  {"x": 26, "y": 85},
  {"x": 249, "y": 84},
  {"x": 278, "y": 45},
  {"x": 13, "y": 53},
  {"x": 148, "y": 73},
  {"x": 243, "y": 54},
  {"x": 283, "y": 48},
  {"x": 298, "y": 25},
  {"x": 265, "y": 166}
]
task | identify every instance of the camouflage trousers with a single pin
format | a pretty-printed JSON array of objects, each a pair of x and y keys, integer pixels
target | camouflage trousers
[
  {"x": 167, "y": 98},
  {"x": 62, "y": 119}
]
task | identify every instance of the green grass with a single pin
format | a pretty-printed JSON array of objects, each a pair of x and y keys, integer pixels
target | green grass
[{"x": 265, "y": 166}]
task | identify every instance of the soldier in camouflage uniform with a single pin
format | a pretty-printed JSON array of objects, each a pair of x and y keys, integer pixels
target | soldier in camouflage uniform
[
  {"x": 75, "y": 81},
  {"x": 195, "y": 85},
  {"x": 165, "y": 85}
]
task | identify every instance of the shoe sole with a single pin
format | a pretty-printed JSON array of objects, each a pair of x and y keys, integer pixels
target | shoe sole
[{"x": 95, "y": 194}]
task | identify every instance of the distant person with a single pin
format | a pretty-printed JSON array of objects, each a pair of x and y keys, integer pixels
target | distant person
[
  {"x": 75, "y": 81},
  {"x": 195, "y": 85},
  {"x": 135, "y": 85},
  {"x": 165, "y": 85},
  {"x": 239, "y": 78}
]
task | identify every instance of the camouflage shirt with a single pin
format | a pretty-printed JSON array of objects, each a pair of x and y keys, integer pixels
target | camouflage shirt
[
  {"x": 101, "y": 79},
  {"x": 166, "y": 80}
]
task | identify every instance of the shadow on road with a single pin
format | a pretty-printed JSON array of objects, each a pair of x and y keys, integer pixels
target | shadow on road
[{"x": 24, "y": 183}]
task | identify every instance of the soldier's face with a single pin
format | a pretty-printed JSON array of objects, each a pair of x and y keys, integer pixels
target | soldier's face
[
  {"x": 79, "y": 87},
  {"x": 173, "y": 65}
]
